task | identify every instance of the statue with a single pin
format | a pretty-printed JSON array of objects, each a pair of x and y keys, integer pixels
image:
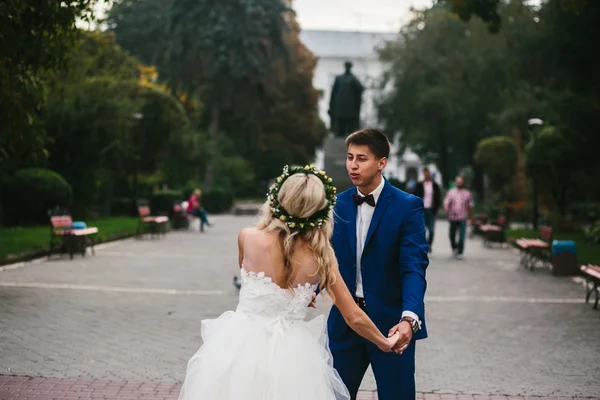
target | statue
[{"x": 344, "y": 105}]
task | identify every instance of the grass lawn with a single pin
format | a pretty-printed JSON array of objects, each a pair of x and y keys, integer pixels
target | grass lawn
[
  {"x": 17, "y": 242},
  {"x": 587, "y": 253}
]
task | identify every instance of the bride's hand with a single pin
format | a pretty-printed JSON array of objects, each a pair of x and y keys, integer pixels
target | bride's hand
[{"x": 390, "y": 342}]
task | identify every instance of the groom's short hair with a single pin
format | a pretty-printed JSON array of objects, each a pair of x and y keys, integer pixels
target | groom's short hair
[{"x": 375, "y": 140}]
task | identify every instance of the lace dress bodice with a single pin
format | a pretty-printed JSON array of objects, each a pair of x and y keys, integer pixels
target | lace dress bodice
[{"x": 260, "y": 296}]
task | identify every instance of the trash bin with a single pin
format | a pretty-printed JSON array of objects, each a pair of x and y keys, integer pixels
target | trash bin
[{"x": 564, "y": 258}]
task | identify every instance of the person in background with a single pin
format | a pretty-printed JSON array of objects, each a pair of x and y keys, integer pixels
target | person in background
[
  {"x": 459, "y": 206},
  {"x": 429, "y": 191},
  {"x": 194, "y": 208}
]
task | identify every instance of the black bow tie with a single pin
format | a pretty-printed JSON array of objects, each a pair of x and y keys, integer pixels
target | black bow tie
[{"x": 369, "y": 199}]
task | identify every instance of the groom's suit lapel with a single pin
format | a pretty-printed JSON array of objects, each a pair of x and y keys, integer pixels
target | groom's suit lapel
[{"x": 382, "y": 203}]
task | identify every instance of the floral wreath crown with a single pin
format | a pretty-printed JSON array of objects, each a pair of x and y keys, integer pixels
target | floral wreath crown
[{"x": 302, "y": 225}]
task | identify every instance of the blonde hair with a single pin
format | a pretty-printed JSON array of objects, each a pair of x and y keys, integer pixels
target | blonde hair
[{"x": 302, "y": 195}]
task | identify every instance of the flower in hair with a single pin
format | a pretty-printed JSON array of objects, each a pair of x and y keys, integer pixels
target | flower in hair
[{"x": 316, "y": 220}]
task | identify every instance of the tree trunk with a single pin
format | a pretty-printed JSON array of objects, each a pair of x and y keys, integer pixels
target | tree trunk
[
  {"x": 215, "y": 114},
  {"x": 477, "y": 171},
  {"x": 446, "y": 179},
  {"x": 519, "y": 180}
]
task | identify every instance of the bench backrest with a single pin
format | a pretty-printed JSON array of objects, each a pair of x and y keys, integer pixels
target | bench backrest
[
  {"x": 144, "y": 211},
  {"x": 546, "y": 233},
  {"x": 61, "y": 221}
]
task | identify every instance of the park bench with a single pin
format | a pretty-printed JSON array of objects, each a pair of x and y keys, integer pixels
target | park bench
[
  {"x": 494, "y": 233},
  {"x": 476, "y": 224},
  {"x": 153, "y": 224},
  {"x": 533, "y": 250},
  {"x": 591, "y": 273},
  {"x": 65, "y": 237}
]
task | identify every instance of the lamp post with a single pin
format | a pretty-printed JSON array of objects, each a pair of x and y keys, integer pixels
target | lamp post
[
  {"x": 137, "y": 116},
  {"x": 533, "y": 124}
]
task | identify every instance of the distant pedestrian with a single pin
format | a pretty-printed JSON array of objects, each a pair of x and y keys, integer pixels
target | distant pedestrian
[
  {"x": 459, "y": 206},
  {"x": 429, "y": 191}
]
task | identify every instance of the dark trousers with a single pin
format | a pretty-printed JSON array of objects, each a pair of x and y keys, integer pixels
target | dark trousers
[
  {"x": 201, "y": 213},
  {"x": 430, "y": 225},
  {"x": 461, "y": 227}
]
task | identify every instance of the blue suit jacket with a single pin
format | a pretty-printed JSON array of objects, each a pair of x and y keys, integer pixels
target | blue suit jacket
[{"x": 393, "y": 261}]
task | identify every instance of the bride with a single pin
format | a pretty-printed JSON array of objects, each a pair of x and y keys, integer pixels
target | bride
[{"x": 266, "y": 349}]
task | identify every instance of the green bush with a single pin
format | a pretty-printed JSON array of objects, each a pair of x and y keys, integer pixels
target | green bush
[
  {"x": 162, "y": 202},
  {"x": 29, "y": 194},
  {"x": 122, "y": 206},
  {"x": 593, "y": 233},
  {"x": 217, "y": 200},
  {"x": 498, "y": 157},
  {"x": 397, "y": 183}
]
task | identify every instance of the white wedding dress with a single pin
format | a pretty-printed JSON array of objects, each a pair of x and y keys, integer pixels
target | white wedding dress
[{"x": 265, "y": 350}]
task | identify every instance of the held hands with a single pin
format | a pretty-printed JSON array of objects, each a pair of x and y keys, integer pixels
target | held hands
[
  {"x": 404, "y": 332},
  {"x": 390, "y": 343}
]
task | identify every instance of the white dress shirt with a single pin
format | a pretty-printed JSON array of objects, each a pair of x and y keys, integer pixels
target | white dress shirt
[
  {"x": 427, "y": 194},
  {"x": 364, "y": 214}
]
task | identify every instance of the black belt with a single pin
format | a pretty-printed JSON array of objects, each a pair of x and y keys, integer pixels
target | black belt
[{"x": 360, "y": 301}]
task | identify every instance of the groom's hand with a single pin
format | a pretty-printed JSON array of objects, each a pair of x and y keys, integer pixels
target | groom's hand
[{"x": 405, "y": 331}]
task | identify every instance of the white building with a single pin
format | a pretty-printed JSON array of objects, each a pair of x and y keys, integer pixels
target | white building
[{"x": 333, "y": 49}]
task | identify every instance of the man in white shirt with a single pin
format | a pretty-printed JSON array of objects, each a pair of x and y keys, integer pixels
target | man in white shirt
[
  {"x": 429, "y": 191},
  {"x": 379, "y": 242}
]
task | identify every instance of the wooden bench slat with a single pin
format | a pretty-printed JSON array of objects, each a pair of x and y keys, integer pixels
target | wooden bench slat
[
  {"x": 84, "y": 232},
  {"x": 591, "y": 270}
]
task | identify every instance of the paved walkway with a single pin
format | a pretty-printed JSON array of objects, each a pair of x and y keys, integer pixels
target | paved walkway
[{"x": 122, "y": 324}]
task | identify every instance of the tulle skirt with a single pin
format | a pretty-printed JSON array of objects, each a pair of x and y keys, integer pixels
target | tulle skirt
[{"x": 247, "y": 357}]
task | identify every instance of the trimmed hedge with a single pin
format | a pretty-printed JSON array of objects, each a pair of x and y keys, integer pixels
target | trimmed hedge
[
  {"x": 30, "y": 193},
  {"x": 161, "y": 203},
  {"x": 217, "y": 200}
]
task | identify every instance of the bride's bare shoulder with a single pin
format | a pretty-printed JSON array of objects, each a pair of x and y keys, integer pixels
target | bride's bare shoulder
[{"x": 246, "y": 232}]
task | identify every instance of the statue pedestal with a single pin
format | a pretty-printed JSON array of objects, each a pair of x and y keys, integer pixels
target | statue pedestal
[{"x": 335, "y": 153}]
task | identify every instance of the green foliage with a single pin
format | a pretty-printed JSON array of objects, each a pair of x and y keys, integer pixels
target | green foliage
[
  {"x": 162, "y": 202},
  {"x": 255, "y": 79},
  {"x": 217, "y": 200},
  {"x": 434, "y": 62},
  {"x": 21, "y": 243},
  {"x": 123, "y": 206},
  {"x": 551, "y": 160},
  {"x": 487, "y": 10},
  {"x": 110, "y": 128},
  {"x": 397, "y": 183},
  {"x": 498, "y": 157},
  {"x": 592, "y": 235},
  {"x": 35, "y": 36},
  {"x": 30, "y": 193}
]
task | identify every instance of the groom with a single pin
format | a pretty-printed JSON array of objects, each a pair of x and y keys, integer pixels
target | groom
[{"x": 379, "y": 241}]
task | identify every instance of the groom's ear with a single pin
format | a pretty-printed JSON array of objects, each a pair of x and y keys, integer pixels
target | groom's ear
[{"x": 382, "y": 163}]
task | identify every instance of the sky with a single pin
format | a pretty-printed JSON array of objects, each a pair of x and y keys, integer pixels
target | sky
[
  {"x": 356, "y": 15},
  {"x": 352, "y": 15}
]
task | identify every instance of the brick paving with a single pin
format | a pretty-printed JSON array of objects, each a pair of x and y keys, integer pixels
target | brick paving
[
  {"x": 95, "y": 327},
  {"x": 22, "y": 388}
]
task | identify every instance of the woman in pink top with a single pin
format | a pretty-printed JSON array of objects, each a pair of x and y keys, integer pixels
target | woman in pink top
[{"x": 196, "y": 210}]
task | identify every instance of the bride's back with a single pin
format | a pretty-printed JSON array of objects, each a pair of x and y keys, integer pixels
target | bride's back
[{"x": 263, "y": 253}]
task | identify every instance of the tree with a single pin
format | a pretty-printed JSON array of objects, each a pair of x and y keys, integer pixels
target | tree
[
  {"x": 225, "y": 51},
  {"x": 264, "y": 89},
  {"x": 442, "y": 81},
  {"x": 549, "y": 160},
  {"x": 498, "y": 157},
  {"x": 44, "y": 31},
  {"x": 108, "y": 124},
  {"x": 487, "y": 10}
]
